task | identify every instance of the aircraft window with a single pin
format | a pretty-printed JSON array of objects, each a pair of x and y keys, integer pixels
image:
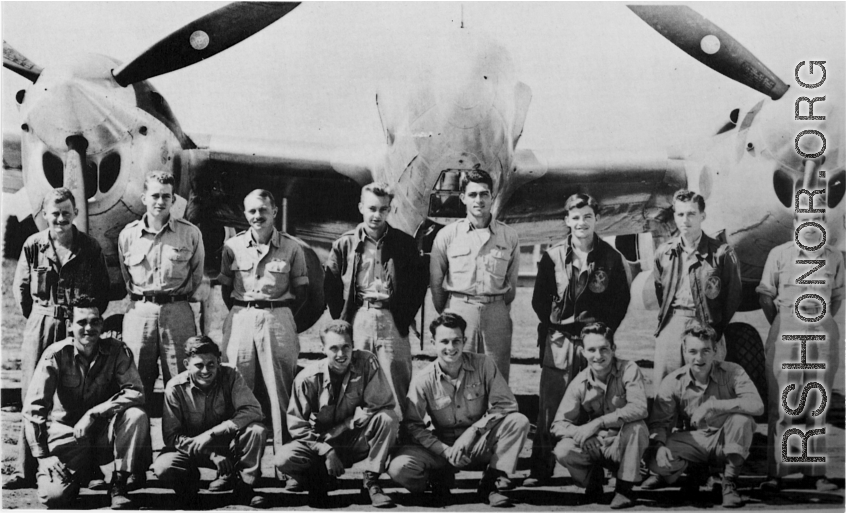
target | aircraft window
[
  {"x": 54, "y": 169},
  {"x": 110, "y": 168},
  {"x": 450, "y": 180},
  {"x": 445, "y": 201},
  {"x": 835, "y": 190}
]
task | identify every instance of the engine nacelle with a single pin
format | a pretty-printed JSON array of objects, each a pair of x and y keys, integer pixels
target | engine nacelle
[{"x": 643, "y": 292}]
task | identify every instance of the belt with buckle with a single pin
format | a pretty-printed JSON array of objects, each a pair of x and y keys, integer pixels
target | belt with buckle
[
  {"x": 55, "y": 311},
  {"x": 159, "y": 299},
  {"x": 684, "y": 312},
  {"x": 378, "y": 304},
  {"x": 477, "y": 299},
  {"x": 263, "y": 305}
]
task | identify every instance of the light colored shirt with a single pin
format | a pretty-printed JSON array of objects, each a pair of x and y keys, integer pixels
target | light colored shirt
[
  {"x": 169, "y": 261},
  {"x": 266, "y": 273},
  {"x": 189, "y": 411},
  {"x": 65, "y": 386},
  {"x": 779, "y": 278},
  {"x": 370, "y": 279},
  {"x": 619, "y": 401},
  {"x": 314, "y": 409},
  {"x": 474, "y": 261},
  {"x": 680, "y": 394},
  {"x": 682, "y": 297},
  {"x": 479, "y": 399}
]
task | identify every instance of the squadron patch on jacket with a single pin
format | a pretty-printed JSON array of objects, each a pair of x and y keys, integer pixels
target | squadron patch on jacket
[
  {"x": 599, "y": 281},
  {"x": 713, "y": 287}
]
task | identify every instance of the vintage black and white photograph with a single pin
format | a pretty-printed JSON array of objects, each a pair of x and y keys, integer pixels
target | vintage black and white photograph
[{"x": 423, "y": 255}]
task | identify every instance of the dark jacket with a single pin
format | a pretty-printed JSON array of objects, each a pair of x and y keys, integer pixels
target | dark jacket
[
  {"x": 403, "y": 269},
  {"x": 715, "y": 281},
  {"x": 603, "y": 297}
]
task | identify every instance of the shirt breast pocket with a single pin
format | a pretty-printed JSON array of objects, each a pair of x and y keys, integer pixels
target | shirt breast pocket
[
  {"x": 474, "y": 396},
  {"x": 243, "y": 272},
  {"x": 134, "y": 263},
  {"x": 175, "y": 264},
  {"x": 497, "y": 263},
  {"x": 43, "y": 279},
  {"x": 277, "y": 274},
  {"x": 459, "y": 258}
]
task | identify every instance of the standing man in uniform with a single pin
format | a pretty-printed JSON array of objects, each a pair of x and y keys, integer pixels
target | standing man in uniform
[
  {"x": 778, "y": 292},
  {"x": 580, "y": 280},
  {"x": 264, "y": 281},
  {"x": 696, "y": 277},
  {"x": 161, "y": 260},
  {"x": 211, "y": 419},
  {"x": 601, "y": 419},
  {"x": 374, "y": 279},
  {"x": 717, "y": 402},
  {"x": 84, "y": 406},
  {"x": 474, "y": 272},
  {"x": 57, "y": 265},
  {"x": 342, "y": 412},
  {"x": 474, "y": 416}
]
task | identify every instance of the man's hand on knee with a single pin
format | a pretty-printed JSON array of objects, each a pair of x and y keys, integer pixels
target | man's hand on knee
[
  {"x": 664, "y": 457},
  {"x": 83, "y": 426},
  {"x": 54, "y": 468},
  {"x": 334, "y": 467}
]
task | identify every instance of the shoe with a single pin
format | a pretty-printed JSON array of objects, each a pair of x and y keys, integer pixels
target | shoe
[
  {"x": 594, "y": 487},
  {"x": 488, "y": 493},
  {"x": 134, "y": 482},
  {"x": 772, "y": 484},
  {"x": 654, "y": 482},
  {"x": 18, "y": 482},
  {"x": 821, "y": 483},
  {"x": 97, "y": 481},
  {"x": 223, "y": 483},
  {"x": 502, "y": 481},
  {"x": 731, "y": 499},
  {"x": 624, "y": 497},
  {"x": 292, "y": 485},
  {"x": 118, "y": 491},
  {"x": 371, "y": 491},
  {"x": 441, "y": 485},
  {"x": 244, "y": 495},
  {"x": 536, "y": 481}
]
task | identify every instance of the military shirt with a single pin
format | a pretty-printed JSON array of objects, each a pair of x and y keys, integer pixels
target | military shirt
[
  {"x": 680, "y": 394},
  {"x": 682, "y": 297},
  {"x": 475, "y": 261},
  {"x": 781, "y": 272},
  {"x": 619, "y": 401},
  {"x": 263, "y": 273},
  {"x": 190, "y": 411},
  {"x": 169, "y": 261},
  {"x": 41, "y": 277},
  {"x": 65, "y": 386},
  {"x": 314, "y": 409},
  {"x": 479, "y": 398},
  {"x": 370, "y": 278}
]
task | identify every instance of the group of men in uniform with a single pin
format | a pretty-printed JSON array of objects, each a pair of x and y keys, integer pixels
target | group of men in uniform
[{"x": 87, "y": 394}]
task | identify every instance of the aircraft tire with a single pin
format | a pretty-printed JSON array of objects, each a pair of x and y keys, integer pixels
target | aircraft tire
[{"x": 744, "y": 346}]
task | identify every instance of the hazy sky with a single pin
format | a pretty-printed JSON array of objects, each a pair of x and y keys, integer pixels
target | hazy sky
[{"x": 600, "y": 76}]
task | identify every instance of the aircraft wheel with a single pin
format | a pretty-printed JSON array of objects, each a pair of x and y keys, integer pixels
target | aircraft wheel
[{"x": 744, "y": 346}]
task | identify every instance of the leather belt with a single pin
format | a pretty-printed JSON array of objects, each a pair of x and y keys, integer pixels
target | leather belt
[
  {"x": 381, "y": 304},
  {"x": 263, "y": 305},
  {"x": 478, "y": 299},
  {"x": 684, "y": 312},
  {"x": 159, "y": 299},
  {"x": 55, "y": 311}
]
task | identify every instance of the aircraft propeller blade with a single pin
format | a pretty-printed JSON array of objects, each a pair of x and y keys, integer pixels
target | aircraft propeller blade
[
  {"x": 202, "y": 38},
  {"x": 74, "y": 178},
  {"x": 15, "y": 61},
  {"x": 707, "y": 43}
]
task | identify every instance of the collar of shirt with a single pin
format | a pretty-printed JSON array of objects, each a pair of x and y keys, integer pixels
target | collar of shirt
[
  {"x": 362, "y": 235},
  {"x": 46, "y": 242},
  {"x": 492, "y": 225},
  {"x": 145, "y": 227},
  {"x": 466, "y": 365},
  {"x": 594, "y": 382},
  {"x": 694, "y": 247},
  {"x": 569, "y": 250},
  {"x": 102, "y": 349},
  {"x": 273, "y": 241},
  {"x": 352, "y": 370},
  {"x": 688, "y": 378},
  {"x": 215, "y": 384}
]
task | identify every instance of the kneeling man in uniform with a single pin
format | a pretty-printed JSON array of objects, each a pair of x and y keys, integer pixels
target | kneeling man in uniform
[
  {"x": 474, "y": 416},
  {"x": 211, "y": 419},
  {"x": 601, "y": 419},
  {"x": 85, "y": 402},
  {"x": 717, "y": 402},
  {"x": 342, "y": 412}
]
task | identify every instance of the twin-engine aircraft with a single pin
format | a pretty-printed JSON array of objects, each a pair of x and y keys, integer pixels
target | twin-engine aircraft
[{"x": 96, "y": 125}]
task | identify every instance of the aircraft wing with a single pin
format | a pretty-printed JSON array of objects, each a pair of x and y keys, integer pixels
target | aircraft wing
[
  {"x": 320, "y": 183},
  {"x": 634, "y": 190}
]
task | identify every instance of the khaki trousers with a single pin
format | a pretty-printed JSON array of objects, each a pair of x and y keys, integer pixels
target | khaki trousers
[
  {"x": 489, "y": 329},
  {"x": 622, "y": 451}
]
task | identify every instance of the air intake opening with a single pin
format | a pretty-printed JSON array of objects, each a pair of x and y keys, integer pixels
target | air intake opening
[
  {"x": 835, "y": 189},
  {"x": 110, "y": 169},
  {"x": 54, "y": 169}
]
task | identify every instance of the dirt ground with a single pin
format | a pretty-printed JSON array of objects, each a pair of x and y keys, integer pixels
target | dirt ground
[{"x": 634, "y": 339}]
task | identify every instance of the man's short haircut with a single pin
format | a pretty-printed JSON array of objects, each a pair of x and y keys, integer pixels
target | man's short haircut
[
  {"x": 338, "y": 327},
  {"x": 599, "y": 328},
  {"x": 163, "y": 177},
  {"x": 381, "y": 189},
  {"x": 700, "y": 331},
  {"x": 448, "y": 320},
  {"x": 580, "y": 200},
  {"x": 476, "y": 176},
  {"x": 261, "y": 193},
  {"x": 58, "y": 195},
  {"x": 686, "y": 196},
  {"x": 201, "y": 344},
  {"x": 86, "y": 302}
]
